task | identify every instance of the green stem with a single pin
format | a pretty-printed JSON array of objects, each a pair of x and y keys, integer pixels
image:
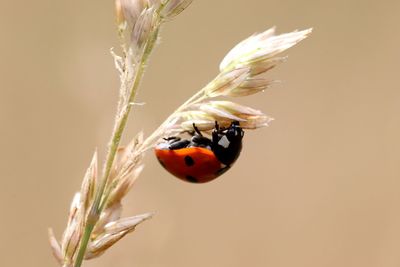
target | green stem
[{"x": 96, "y": 208}]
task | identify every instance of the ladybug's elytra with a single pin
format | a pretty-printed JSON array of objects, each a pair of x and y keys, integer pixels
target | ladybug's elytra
[{"x": 200, "y": 159}]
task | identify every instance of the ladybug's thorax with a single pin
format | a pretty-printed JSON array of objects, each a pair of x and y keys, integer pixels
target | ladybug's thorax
[{"x": 227, "y": 143}]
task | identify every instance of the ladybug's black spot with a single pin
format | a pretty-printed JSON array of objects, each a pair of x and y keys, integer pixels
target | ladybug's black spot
[
  {"x": 191, "y": 179},
  {"x": 189, "y": 161}
]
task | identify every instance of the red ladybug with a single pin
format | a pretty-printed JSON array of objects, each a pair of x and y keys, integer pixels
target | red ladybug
[{"x": 200, "y": 159}]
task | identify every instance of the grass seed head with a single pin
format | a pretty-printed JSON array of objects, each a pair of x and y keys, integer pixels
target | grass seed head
[{"x": 175, "y": 7}]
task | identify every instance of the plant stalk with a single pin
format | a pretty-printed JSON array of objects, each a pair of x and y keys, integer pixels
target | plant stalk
[{"x": 96, "y": 208}]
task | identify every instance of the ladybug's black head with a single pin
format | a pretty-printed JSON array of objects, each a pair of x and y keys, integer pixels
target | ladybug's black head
[
  {"x": 234, "y": 133},
  {"x": 227, "y": 143}
]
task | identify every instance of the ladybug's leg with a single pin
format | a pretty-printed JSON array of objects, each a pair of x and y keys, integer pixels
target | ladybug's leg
[
  {"x": 178, "y": 144},
  {"x": 215, "y": 135},
  {"x": 172, "y": 139},
  {"x": 197, "y": 129},
  {"x": 216, "y": 126},
  {"x": 200, "y": 140}
]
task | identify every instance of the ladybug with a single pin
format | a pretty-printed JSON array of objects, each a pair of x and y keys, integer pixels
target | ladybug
[{"x": 201, "y": 159}]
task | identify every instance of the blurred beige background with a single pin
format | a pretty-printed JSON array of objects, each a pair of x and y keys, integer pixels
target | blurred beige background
[{"x": 320, "y": 187}]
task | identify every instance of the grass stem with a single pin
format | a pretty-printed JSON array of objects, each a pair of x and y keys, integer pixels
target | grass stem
[{"x": 96, "y": 208}]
